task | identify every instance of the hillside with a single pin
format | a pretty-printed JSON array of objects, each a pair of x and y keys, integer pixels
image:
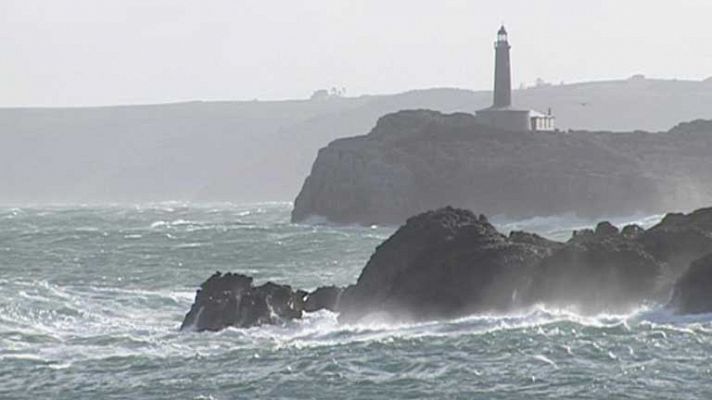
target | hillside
[{"x": 256, "y": 150}]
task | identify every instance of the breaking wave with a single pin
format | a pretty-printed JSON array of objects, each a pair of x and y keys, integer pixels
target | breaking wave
[{"x": 92, "y": 298}]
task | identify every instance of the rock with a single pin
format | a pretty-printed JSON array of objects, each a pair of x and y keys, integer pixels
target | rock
[
  {"x": 231, "y": 300},
  {"x": 632, "y": 231},
  {"x": 442, "y": 264},
  {"x": 450, "y": 262},
  {"x": 597, "y": 271},
  {"x": 583, "y": 233},
  {"x": 692, "y": 127},
  {"x": 418, "y": 160},
  {"x": 533, "y": 239},
  {"x": 605, "y": 228},
  {"x": 693, "y": 291},
  {"x": 325, "y": 297},
  {"x": 680, "y": 239}
]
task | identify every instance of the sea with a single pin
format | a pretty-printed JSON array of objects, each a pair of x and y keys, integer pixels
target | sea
[{"x": 91, "y": 299}]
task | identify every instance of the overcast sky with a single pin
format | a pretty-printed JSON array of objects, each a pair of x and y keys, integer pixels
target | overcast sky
[{"x": 99, "y": 52}]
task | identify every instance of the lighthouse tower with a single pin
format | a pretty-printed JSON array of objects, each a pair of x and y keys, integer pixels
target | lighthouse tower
[
  {"x": 502, "y": 71},
  {"x": 502, "y": 115}
]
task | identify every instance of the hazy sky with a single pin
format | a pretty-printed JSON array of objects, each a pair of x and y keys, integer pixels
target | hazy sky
[{"x": 98, "y": 52}]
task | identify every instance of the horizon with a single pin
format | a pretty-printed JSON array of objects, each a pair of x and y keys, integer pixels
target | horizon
[
  {"x": 348, "y": 96},
  {"x": 79, "y": 54}
]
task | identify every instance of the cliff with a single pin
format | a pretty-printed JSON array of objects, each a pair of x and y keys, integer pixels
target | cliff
[{"x": 416, "y": 160}]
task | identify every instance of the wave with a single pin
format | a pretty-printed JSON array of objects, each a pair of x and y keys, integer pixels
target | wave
[
  {"x": 323, "y": 329},
  {"x": 71, "y": 296},
  {"x": 59, "y": 325},
  {"x": 66, "y": 312}
]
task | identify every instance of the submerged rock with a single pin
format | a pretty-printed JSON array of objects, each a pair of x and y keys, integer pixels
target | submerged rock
[{"x": 693, "y": 291}]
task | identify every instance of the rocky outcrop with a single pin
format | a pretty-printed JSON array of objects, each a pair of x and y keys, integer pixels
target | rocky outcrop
[
  {"x": 413, "y": 161},
  {"x": 232, "y": 300},
  {"x": 440, "y": 264},
  {"x": 697, "y": 126},
  {"x": 680, "y": 238},
  {"x": 450, "y": 262},
  {"x": 323, "y": 298},
  {"x": 608, "y": 269},
  {"x": 601, "y": 270},
  {"x": 693, "y": 292}
]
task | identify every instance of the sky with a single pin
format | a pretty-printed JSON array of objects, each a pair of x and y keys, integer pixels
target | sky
[{"x": 58, "y": 53}]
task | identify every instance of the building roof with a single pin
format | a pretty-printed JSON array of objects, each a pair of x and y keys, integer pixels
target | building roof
[
  {"x": 532, "y": 113},
  {"x": 538, "y": 114}
]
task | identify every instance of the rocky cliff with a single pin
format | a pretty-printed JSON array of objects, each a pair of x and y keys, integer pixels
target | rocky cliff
[{"x": 418, "y": 160}]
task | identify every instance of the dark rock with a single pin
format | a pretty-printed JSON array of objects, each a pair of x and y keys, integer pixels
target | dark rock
[
  {"x": 442, "y": 264},
  {"x": 451, "y": 262},
  {"x": 537, "y": 241},
  {"x": 231, "y": 300},
  {"x": 632, "y": 231},
  {"x": 697, "y": 126},
  {"x": 597, "y": 271},
  {"x": 325, "y": 297},
  {"x": 605, "y": 228},
  {"x": 583, "y": 234},
  {"x": 693, "y": 291},
  {"x": 680, "y": 239}
]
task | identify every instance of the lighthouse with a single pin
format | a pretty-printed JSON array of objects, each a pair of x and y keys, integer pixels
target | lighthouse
[
  {"x": 502, "y": 71},
  {"x": 501, "y": 115}
]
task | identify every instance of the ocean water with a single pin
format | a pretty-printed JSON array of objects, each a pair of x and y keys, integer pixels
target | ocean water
[{"x": 91, "y": 299}]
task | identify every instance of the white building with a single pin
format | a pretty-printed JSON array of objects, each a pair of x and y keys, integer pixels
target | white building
[{"x": 502, "y": 115}]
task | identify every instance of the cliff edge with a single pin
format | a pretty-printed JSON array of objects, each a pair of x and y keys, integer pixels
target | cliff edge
[{"x": 417, "y": 160}]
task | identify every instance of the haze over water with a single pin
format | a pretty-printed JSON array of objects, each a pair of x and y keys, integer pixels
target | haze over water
[{"x": 91, "y": 299}]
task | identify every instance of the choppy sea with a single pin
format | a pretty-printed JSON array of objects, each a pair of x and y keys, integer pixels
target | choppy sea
[{"x": 91, "y": 298}]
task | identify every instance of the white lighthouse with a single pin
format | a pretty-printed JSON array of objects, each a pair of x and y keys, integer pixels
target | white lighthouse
[{"x": 501, "y": 114}]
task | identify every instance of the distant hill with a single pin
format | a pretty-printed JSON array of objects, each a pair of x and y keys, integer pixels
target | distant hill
[{"x": 256, "y": 151}]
